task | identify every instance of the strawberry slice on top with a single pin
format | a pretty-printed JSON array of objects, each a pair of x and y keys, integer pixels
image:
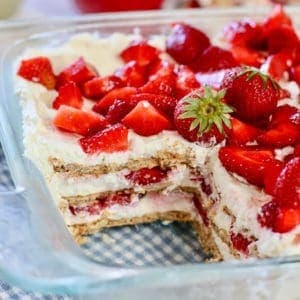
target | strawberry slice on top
[
  {"x": 69, "y": 94},
  {"x": 202, "y": 116},
  {"x": 38, "y": 69},
  {"x": 146, "y": 120},
  {"x": 111, "y": 139},
  {"x": 78, "y": 121}
]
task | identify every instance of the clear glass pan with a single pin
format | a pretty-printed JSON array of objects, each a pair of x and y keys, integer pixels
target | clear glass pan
[{"x": 37, "y": 252}]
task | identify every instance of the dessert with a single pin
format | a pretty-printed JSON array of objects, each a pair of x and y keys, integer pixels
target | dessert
[{"x": 174, "y": 128}]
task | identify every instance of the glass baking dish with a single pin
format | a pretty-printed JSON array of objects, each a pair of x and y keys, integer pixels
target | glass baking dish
[{"x": 36, "y": 250}]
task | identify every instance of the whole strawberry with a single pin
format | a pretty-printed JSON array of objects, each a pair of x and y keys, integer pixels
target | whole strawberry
[
  {"x": 253, "y": 94},
  {"x": 201, "y": 116}
]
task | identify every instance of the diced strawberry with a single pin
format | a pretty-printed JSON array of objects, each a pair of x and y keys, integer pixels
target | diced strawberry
[
  {"x": 185, "y": 43},
  {"x": 279, "y": 63},
  {"x": 117, "y": 111},
  {"x": 163, "y": 103},
  {"x": 132, "y": 74},
  {"x": 244, "y": 33},
  {"x": 276, "y": 19},
  {"x": 78, "y": 72},
  {"x": 38, "y": 69},
  {"x": 69, "y": 94},
  {"x": 295, "y": 73},
  {"x": 145, "y": 120},
  {"x": 287, "y": 192},
  {"x": 100, "y": 86},
  {"x": 147, "y": 176},
  {"x": 121, "y": 198},
  {"x": 247, "y": 56},
  {"x": 125, "y": 93},
  {"x": 242, "y": 133},
  {"x": 247, "y": 163},
  {"x": 160, "y": 85},
  {"x": 212, "y": 59},
  {"x": 279, "y": 136},
  {"x": 186, "y": 81},
  {"x": 282, "y": 38},
  {"x": 141, "y": 52},
  {"x": 271, "y": 172},
  {"x": 240, "y": 242},
  {"x": 111, "y": 139},
  {"x": 75, "y": 120}
]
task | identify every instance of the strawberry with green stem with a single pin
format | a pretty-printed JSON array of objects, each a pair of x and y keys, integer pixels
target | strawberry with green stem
[{"x": 201, "y": 116}]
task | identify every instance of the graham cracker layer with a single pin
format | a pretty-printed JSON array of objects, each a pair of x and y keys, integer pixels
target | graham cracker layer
[{"x": 163, "y": 159}]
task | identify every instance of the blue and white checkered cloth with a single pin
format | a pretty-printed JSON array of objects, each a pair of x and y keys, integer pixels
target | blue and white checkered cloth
[{"x": 123, "y": 246}]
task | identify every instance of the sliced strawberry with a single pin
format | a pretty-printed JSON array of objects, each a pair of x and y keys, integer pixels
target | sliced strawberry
[
  {"x": 163, "y": 103},
  {"x": 240, "y": 242},
  {"x": 160, "y": 85},
  {"x": 242, "y": 133},
  {"x": 92, "y": 208},
  {"x": 111, "y": 139},
  {"x": 268, "y": 213},
  {"x": 120, "y": 198},
  {"x": 185, "y": 43},
  {"x": 160, "y": 68},
  {"x": 141, "y": 52},
  {"x": 186, "y": 81},
  {"x": 124, "y": 94},
  {"x": 297, "y": 151},
  {"x": 145, "y": 120},
  {"x": 282, "y": 38},
  {"x": 38, "y": 69},
  {"x": 287, "y": 193},
  {"x": 147, "y": 176},
  {"x": 132, "y": 74},
  {"x": 247, "y": 56},
  {"x": 276, "y": 19},
  {"x": 295, "y": 73},
  {"x": 247, "y": 163},
  {"x": 118, "y": 110},
  {"x": 285, "y": 114},
  {"x": 271, "y": 172},
  {"x": 78, "y": 72},
  {"x": 212, "y": 59},
  {"x": 279, "y": 63},
  {"x": 75, "y": 120},
  {"x": 69, "y": 94},
  {"x": 100, "y": 86}
]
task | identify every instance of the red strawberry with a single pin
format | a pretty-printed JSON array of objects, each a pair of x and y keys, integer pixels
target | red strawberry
[
  {"x": 244, "y": 33},
  {"x": 242, "y": 133},
  {"x": 100, "y": 86},
  {"x": 111, "y": 139},
  {"x": 276, "y": 19},
  {"x": 212, "y": 59},
  {"x": 295, "y": 73},
  {"x": 38, "y": 69},
  {"x": 279, "y": 63},
  {"x": 282, "y": 38},
  {"x": 271, "y": 172},
  {"x": 120, "y": 198},
  {"x": 102, "y": 106},
  {"x": 93, "y": 208},
  {"x": 78, "y": 72},
  {"x": 240, "y": 242},
  {"x": 147, "y": 176},
  {"x": 247, "y": 56},
  {"x": 201, "y": 116},
  {"x": 279, "y": 219},
  {"x": 160, "y": 85},
  {"x": 287, "y": 192},
  {"x": 145, "y": 120},
  {"x": 248, "y": 163},
  {"x": 75, "y": 120},
  {"x": 185, "y": 43},
  {"x": 117, "y": 111},
  {"x": 297, "y": 151},
  {"x": 163, "y": 103},
  {"x": 69, "y": 94},
  {"x": 285, "y": 114},
  {"x": 160, "y": 68},
  {"x": 254, "y": 95},
  {"x": 283, "y": 94},
  {"x": 141, "y": 52},
  {"x": 186, "y": 81},
  {"x": 132, "y": 74}
]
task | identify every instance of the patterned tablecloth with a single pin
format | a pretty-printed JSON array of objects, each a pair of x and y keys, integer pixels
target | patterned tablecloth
[{"x": 127, "y": 246}]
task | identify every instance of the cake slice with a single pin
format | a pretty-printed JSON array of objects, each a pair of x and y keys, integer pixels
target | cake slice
[{"x": 126, "y": 131}]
